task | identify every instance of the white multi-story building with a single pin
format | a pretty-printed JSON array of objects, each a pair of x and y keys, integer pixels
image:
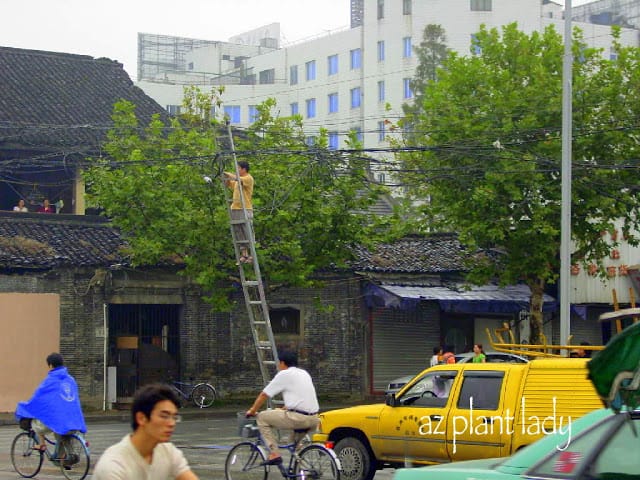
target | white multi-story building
[{"x": 353, "y": 79}]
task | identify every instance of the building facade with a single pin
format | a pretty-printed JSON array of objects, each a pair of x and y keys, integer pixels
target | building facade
[{"x": 352, "y": 79}]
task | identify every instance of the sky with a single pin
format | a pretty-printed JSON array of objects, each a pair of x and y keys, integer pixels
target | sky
[{"x": 109, "y": 28}]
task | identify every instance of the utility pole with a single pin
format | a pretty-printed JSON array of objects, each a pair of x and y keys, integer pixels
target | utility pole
[{"x": 565, "y": 211}]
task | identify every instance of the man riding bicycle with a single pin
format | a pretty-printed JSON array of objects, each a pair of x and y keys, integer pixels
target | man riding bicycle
[
  {"x": 55, "y": 404},
  {"x": 300, "y": 404}
]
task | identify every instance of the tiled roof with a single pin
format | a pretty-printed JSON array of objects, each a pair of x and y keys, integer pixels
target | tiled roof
[
  {"x": 45, "y": 241},
  {"x": 60, "y": 99},
  {"x": 439, "y": 253}
]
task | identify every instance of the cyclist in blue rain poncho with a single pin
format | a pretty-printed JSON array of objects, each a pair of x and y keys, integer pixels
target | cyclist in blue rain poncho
[{"x": 55, "y": 405}]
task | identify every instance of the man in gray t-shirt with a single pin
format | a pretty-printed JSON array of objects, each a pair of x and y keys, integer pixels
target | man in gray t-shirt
[
  {"x": 147, "y": 452},
  {"x": 300, "y": 404}
]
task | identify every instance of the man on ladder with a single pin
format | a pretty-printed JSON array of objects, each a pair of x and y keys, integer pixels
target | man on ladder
[
  {"x": 241, "y": 213},
  {"x": 242, "y": 230}
]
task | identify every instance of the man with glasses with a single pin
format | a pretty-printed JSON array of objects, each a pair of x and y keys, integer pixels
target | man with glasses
[{"x": 147, "y": 452}]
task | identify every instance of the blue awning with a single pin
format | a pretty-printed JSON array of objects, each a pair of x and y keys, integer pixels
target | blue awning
[{"x": 484, "y": 299}]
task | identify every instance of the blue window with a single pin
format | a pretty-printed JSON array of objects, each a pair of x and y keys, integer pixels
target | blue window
[
  {"x": 311, "y": 108},
  {"x": 480, "y": 5},
  {"x": 356, "y": 59},
  {"x": 310, "y": 68},
  {"x": 332, "y": 64},
  {"x": 253, "y": 113},
  {"x": 310, "y": 141},
  {"x": 334, "y": 141},
  {"x": 358, "y": 131},
  {"x": 355, "y": 97},
  {"x": 381, "y": 51},
  {"x": 381, "y": 131},
  {"x": 294, "y": 108},
  {"x": 475, "y": 48},
  {"x": 406, "y": 47},
  {"x": 407, "y": 93},
  {"x": 381, "y": 91},
  {"x": 233, "y": 112},
  {"x": 333, "y": 102},
  {"x": 293, "y": 75}
]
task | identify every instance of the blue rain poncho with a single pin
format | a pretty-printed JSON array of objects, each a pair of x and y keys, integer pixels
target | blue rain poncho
[{"x": 55, "y": 403}]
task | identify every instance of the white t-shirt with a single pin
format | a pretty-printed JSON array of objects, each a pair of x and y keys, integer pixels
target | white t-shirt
[
  {"x": 122, "y": 461},
  {"x": 297, "y": 390},
  {"x": 434, "y": 361}
]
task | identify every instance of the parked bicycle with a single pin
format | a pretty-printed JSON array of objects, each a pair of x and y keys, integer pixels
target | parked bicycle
[
  {"x": 202, "y": 394},
  {"x": 246, "y": 460},
  {"x": 71, "y": 454}
]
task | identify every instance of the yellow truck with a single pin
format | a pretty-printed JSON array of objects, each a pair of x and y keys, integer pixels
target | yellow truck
[{"x": 460, "y": 412}]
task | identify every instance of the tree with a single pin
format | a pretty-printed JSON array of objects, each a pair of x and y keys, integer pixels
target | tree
[
  {"x": 488, "y": 137},
  {"x": 431, "y": 53},
  {"x": 151, "y": 184}
]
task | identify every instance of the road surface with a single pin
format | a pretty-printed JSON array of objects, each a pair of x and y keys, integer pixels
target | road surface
[{"x": 205, "y": 442}]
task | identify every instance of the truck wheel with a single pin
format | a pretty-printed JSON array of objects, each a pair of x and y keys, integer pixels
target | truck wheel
[{"x": 355, "y": 459}]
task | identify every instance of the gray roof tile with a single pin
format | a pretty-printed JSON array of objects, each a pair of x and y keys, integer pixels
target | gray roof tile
[
  {"x": 438, "y": 253},
  {"x": 44, "y": 241},
  {"x": 61, "y": 99}
]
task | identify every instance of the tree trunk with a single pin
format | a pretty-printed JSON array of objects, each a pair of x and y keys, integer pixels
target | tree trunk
[{"x": 537, "y": 293}]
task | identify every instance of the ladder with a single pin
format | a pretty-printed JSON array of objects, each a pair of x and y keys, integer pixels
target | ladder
[{"x": 251, "y": 281}]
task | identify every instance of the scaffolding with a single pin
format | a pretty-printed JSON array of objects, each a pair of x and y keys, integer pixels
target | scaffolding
[
  {"x": 545, "y": 349},
  {"x": 159, "y": 54},
  {"x": 625, "y": 13}
]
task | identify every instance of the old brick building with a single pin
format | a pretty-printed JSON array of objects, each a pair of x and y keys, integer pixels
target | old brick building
[
  {"x": 152, "y": 324},
  {"x": 55, "y": 110}
]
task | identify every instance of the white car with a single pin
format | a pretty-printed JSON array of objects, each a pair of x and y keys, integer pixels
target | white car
[{"x": 492, "y": 357}]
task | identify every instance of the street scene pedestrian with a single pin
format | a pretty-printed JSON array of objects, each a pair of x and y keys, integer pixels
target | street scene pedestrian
[
  {"x": 479, "y": 356},
  {"x": 55, "y": 404},
  {"x": 147, "y": 452},
  {"x": 300, "y": 404}
]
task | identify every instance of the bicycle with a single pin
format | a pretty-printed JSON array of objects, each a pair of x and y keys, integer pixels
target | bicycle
[
  {"x": 201, "y": 394},
  {"x": 245, "y": 460},
  {"x": 71, "y": 454}
]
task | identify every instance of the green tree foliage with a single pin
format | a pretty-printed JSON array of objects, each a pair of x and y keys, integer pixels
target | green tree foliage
[
  {"x": 310, "y": 204},
  {"x": 489, "y": 159}
]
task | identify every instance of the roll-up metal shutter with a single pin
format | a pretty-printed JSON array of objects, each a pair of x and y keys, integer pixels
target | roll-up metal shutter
[{"x": 402, "y": 345}]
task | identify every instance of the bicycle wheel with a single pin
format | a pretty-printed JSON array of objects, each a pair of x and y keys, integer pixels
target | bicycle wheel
[
  {"x": 203, "y": 395},
  {"x": 74, "y": 457},
  {"x": 26, "y": 459},
  {"x": 243, "y": 463},
  {"x": 318, "y": 462}
]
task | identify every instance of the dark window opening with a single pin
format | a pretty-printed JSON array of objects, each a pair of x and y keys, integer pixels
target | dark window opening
[{"x": 285, "y": 320}]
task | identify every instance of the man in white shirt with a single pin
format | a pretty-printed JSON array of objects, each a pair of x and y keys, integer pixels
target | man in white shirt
[
  {"x": 147, "y": 454},
  {"x": 300, "y": 404}
]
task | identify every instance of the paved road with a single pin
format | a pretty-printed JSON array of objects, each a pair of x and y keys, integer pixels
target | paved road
[{"x": 205, "y": 441}]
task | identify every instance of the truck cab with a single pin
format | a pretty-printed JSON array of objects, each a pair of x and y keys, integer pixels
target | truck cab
[{"x": 459, "y": 412}]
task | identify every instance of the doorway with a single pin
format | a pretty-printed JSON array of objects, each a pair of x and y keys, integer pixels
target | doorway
[{"x": 143, "y": 345}]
